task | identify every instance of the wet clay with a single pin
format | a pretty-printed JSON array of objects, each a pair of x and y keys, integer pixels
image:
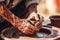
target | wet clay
[{"x": 12, "y": 32}]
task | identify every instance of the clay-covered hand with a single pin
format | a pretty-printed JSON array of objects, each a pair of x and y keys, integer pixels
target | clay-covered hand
[
  {"x": 30, "y": 26},
  {"x": 26, "y": 27}
]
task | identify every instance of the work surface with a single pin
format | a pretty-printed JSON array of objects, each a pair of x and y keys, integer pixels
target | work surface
[{"x": 31, "y": 38}]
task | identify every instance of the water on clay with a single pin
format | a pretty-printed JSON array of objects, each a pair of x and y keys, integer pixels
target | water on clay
[{"x": 40, "y": 34}]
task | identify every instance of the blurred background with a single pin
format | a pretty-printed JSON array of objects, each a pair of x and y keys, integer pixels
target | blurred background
[{"x": 47, "y": 8}]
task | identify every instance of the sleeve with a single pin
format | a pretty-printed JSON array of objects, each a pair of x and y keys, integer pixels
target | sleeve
[
  {"x": 12, "y": 3},
  {"x": 1, "y": 0},
  {"x": 15, "y": 2},
  {"x": 29, "y": 2}
]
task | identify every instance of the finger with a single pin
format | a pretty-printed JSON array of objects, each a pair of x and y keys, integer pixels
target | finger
[
  {"x": 31, "y": 23},
  {"x": 28, "y": 30},
  {"x": 31, "y": 16},
  {"x": 40, "y": 21},
  {"x": 40, "y": 26},
  {"x": 1, "y": 9},
  {"x": 41, "y": 18},
  {"x": 37, "y": 23},
  {"x": 37, "y": 17}
]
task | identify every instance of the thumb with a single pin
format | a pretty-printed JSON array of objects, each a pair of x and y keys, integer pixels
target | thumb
[{"x": 1, "y": 10}]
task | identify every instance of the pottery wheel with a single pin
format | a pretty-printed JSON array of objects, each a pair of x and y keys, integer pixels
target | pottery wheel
[{"x": 43, "y": 34}]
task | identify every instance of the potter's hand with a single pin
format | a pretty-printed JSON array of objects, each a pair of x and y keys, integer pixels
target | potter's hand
[
  {"x": 27, "y": 27},
  {"x": 36, "y": 19},
  {"x": 35, "y": 16},
  {"x": 24, "y": 25},
  {"x": 32, "y": 9}
]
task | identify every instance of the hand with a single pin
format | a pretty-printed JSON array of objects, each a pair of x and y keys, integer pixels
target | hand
[
  {"x": 1, "y": 10},
  {"x": 26, "y": 27},
  {"x": 36, "y": 19},
  {"x": 30, "y": 26}
]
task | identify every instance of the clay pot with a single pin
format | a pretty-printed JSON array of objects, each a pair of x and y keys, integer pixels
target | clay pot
[
  {"x": 12, "y": 33},
  {"x": 55, "y": 20}
]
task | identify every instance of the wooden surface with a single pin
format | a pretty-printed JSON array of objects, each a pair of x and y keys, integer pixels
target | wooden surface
[{"x": 30, "y": 38}]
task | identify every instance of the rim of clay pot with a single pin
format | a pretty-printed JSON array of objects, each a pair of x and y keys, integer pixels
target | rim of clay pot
[
  {"x": 48, "y": 31},
  {"x": 3, "y": 32},
  {"x": 45, "y": 28},
  {"x": 55, "y": 17}
]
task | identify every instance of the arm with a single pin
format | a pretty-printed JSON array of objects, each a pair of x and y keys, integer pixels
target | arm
[
  {"x": 9, "y": 16},
  {"x": 22, "y": 24},
  {"x": 32, "y": 6}
]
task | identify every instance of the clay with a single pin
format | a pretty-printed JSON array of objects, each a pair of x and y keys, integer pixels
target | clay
[
  {"x": 45, "y": 32},
  {"x": 55, "y": 20}
]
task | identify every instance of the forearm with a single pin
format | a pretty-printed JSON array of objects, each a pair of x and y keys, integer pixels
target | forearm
[
  {"x": 9, "y": 16},
  {"x": 22, "y": 24}
]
